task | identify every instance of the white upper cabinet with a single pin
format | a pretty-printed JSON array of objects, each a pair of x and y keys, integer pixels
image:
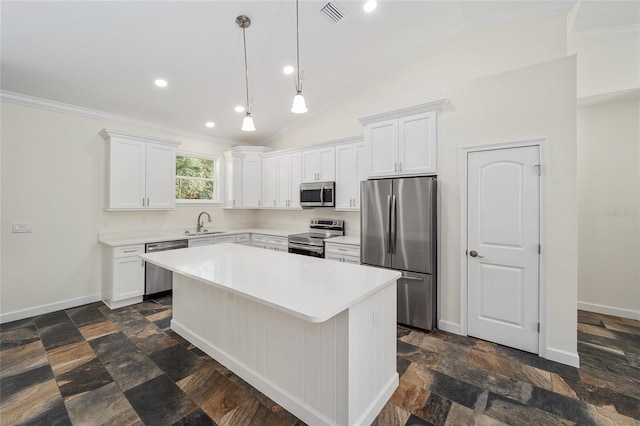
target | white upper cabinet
[
  {"x": 251, "y": 178},
  {"x": 403, "y": 142},
  {"x": 232, "y": 181},
  {"x": 141, "y": 172},
  {"x": 318, "y": 165},
  {"x": 269, "y": 179},
  {"x": 161, "y": 176},
  {"x": 382, "y": 140},
  {"x": 417, "y": 144},
  {"x": 243, "y": 175},
  {"x": 350, "y": 171},
  {"x": 288, "y": 180}
]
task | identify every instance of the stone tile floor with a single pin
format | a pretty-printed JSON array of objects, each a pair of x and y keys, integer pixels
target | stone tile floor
[{"x": 93, "y": 366}]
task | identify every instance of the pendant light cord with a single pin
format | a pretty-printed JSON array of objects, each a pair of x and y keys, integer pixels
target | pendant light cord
[
  {"x": 299, "y": 79},
  {"x": 246, "y": 69}
]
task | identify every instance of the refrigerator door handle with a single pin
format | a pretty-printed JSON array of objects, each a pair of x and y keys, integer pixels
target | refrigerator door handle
[
  {"x": 392, "y": 225},
  {"x": 387, "y": 232},
  {"x": 410, "y": 279}
]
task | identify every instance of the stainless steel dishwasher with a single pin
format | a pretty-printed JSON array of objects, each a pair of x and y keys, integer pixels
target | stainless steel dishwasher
[{"x": 157, "y": 279}]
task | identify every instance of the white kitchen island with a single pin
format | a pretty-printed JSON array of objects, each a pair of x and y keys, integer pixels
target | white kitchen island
[{"x": 316, "y": 336}]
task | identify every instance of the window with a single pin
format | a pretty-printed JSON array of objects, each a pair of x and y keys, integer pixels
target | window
[{"x": 197, "y": 178}]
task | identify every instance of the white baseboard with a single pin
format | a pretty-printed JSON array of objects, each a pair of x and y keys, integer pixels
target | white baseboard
[
  {"x": 448, "y": 326},
  {"x": 563, "y": 357},
  {"x": 45, "y": 309},
  {"x": 609, "y": 310}
]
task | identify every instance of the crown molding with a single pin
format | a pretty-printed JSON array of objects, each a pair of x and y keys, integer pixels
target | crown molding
[
  {"x": 600, "y": 34},
  {"x": 60, "y": 107},
  {"x": 416, "y": 109}
]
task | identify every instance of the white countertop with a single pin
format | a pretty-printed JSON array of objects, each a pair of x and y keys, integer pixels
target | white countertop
[
  {"x": 125, "y": 239},
  {"x": 344, "y": 240},
  {"x": 306, "y": 287}
]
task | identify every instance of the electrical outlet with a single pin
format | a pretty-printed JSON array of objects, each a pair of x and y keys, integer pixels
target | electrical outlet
[{"x": 21, "y": 228}]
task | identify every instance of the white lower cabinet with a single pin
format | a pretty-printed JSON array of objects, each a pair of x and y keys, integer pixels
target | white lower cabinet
[
  {"x": 224, "y": 239},
  {"x": 270, "y": 242},
  {"x": 348, "y": 253},
  {"x": 122, "y": 276},
  {"x": 243, "y": 239},
  {"x": 259, "y": 240},
  {"x": 199, "y": 242},
  {"x": 277, "y": 243}
]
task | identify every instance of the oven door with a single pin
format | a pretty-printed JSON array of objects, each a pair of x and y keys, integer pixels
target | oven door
[{"x": 306, "y": 250}]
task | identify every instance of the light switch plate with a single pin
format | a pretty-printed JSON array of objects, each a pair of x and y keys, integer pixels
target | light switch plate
[{"x": 21, "y": 228}]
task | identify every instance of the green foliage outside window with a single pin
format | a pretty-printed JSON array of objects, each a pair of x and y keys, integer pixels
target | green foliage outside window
[{"x": 195, "y": 178}]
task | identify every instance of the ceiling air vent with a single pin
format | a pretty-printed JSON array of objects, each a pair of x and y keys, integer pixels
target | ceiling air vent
[{"x": 331, "y": 11}]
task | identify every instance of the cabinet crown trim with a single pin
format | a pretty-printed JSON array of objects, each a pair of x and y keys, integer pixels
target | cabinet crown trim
[
  {"x": 416, "y": 109},
  {"x": 107, "y": 134}
]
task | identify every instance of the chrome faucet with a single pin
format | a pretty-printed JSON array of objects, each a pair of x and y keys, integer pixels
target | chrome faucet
[{"x": 200, "y": 223}]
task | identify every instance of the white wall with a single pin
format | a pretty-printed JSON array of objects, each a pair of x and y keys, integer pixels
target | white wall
[
  {"x": 52, "y": 176},
  {"x": 609, "y": 208},
  {"x": 495, "y": 95},
  {"x": 607, "y": 66},
  {"x": 466, "y": 56}
]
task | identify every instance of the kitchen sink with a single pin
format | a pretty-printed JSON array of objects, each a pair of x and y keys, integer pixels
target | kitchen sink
[{"x": 197, "y": 234}]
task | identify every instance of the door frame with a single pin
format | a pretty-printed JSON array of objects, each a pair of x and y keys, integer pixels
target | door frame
[{"x": 542, "y": 308}]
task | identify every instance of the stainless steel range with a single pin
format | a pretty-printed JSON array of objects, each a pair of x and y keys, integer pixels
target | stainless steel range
[{"x": 312, "y": 243}]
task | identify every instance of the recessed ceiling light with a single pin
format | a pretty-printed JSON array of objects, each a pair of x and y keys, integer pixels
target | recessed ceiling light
[
  {"x": 288, "y": 70},
  {"x": 210, "y": 124},
  {"x": 239, "y": 108},
  {"x": 370, "y": 5},
  {"x": 160, "y": 82}
]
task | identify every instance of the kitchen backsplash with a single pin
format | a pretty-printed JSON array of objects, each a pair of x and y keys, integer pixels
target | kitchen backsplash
[
  {"x": 279, "y": 218},
  {"x": 185, "y": 217}
]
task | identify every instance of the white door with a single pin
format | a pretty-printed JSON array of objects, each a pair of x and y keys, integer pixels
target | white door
[{"x": 503, "y": 201}]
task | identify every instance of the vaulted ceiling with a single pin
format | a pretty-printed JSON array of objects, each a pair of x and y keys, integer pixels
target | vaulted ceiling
[{"x": 106, "y": 55}]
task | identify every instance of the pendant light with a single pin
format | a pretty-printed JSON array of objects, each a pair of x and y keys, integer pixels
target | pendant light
[
  {"x": 247, "y": 123},
  {"x": 299, "y": 106}
]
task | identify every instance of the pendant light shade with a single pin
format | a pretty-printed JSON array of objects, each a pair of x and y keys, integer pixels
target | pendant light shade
[
  {"x": 299, "y": 105},
  {"x": 247, "y": 123}
]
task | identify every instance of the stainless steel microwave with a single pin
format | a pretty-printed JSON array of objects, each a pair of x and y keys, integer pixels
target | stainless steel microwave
[{"x": 317, "y": 194}]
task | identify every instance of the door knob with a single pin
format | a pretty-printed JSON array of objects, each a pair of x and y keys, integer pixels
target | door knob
[{"x": 474, "y": 253}]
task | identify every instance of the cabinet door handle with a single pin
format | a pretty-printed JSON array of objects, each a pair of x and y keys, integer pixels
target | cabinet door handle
[
  {"x": 142, "y": 261},
  {"x": 142, "y": 201},
  {"x": 147, "y": 201},
  {"x": 274, "y": 203},
  {"x": 400, "y": 166},
  {"x": 258, "y": 203},
  {"x": 130, "y": 251},
  {"x": 395, "y": 167}
]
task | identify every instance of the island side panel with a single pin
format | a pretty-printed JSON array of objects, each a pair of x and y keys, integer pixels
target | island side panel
[
  {"x": 300, "y": 365},
  {"x": 372, "y": 355}
]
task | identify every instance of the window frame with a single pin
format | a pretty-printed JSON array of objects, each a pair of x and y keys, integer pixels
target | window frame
[{"x": 217, "y": 179}]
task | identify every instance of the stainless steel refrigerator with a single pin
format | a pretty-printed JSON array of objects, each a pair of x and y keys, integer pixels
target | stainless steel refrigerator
[{"x": 398, "y": 221}]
